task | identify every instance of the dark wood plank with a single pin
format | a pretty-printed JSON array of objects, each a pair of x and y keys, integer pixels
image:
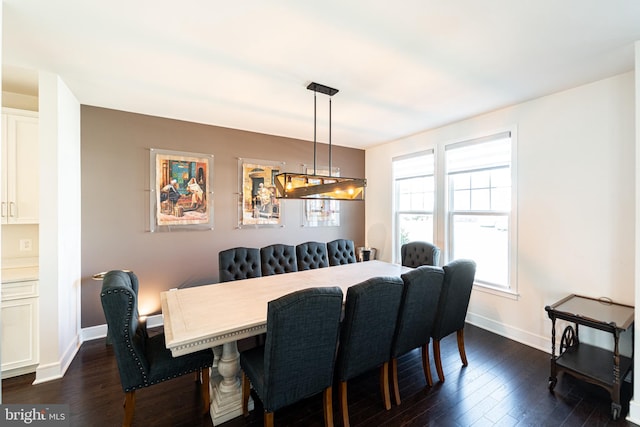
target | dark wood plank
[{"x": 505, "y": 384}]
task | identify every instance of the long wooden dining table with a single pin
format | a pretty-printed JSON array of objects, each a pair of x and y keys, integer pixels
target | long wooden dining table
[{"x": 216, "y": 316}]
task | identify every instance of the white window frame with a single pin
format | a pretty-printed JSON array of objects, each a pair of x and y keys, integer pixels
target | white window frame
[
  {"x": 511, "y": 288},
  {"x": 397, "y": 212}
]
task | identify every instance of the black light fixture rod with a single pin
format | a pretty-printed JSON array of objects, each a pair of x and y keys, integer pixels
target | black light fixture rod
[
  {"x": 330, "y": 137},
  {"x": 317, "y": 87},
  {"x": 314, "y": 132}
]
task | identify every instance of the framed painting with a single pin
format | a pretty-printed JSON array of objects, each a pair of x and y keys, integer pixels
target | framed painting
[
  {"x": 257, "y": 204},
  {"x": 181, "y": 191},
  {"x": 321, "y": 212}
]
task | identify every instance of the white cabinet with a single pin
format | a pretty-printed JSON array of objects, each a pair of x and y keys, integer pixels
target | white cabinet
[
  {"x": 19, "y": 328},
  {"x": 20, "y": 167}
]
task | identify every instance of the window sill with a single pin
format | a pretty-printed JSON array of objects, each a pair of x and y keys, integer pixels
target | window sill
[{"x": 501, "y": 292}]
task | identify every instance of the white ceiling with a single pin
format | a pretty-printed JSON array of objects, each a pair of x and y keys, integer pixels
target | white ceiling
[{"x": 401, "y": 67}]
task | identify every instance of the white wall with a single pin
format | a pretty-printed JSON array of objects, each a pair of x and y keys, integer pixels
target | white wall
[
  {"x": 1, "y": 130},
  {"x": 59, "y": 227},
  {"x": 634, "y": 405},
  {"x": 576, "y": 198}
]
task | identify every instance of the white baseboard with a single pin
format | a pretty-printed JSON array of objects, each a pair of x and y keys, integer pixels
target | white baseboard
[
  {"x": 93, "y": 332},
  {"x": 16, "y": 372},
  {"x": 634, "y": 412},
  {"x": 56, "y": 370},
  {"x": 527, "y": 338},
  {"x": 100, "y": 331}
]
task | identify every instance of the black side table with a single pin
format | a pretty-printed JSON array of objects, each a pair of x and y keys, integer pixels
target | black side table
[{"x": 606, "y": 368}]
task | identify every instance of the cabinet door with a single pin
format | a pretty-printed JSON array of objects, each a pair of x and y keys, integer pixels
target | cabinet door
[
  {"x": 22, "y": 169},
  {"x": 4, "y": 205},
  {"x": 19, "y": 336}
]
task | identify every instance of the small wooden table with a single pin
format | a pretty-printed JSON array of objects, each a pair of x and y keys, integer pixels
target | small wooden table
[
  {"x": 216, "y": 316},
  {"x": 606, "y": 368}
]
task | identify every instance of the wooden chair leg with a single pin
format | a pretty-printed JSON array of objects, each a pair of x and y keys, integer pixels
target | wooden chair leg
[
  {"x": 394, "y": 380},
  {"x": 328, "y": 407},
  {"x": 204, "y": 387},
  {"x": 246, "y": 391},
  {"x": 463, "y": 354},
  {"x": 436, "y": 357},
  {"x": 268, "y": 419},
  {"x": 426, "y": 367},
  {"x": 384, "y": 385},
  {"x": 344, "y": 409},
  {"x": 129, "y": 406}
]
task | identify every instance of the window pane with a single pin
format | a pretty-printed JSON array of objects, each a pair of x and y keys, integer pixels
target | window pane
[
  {"x": 415, "y": 227},
  {"x": 484, "y": 239},
  {"x": 480, "y": 179},
  {"x": 415, "y": 194},
  {"x": 480, "y": 200},
  {"x": 414, "y": 199},
  {"x": 501, "y": 177},
  {"x": 501, "y": 199},
  {"x": 461, "y": 200},
  {"x": 460, "y": 181}
]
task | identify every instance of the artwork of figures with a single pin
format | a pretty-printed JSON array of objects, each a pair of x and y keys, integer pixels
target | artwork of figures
[
  {"x": 183, "y": 187},
  {"x": 321, "y": 212},
  {"x": 258, "y": 203}
]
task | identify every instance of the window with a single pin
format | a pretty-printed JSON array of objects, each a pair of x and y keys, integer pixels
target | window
[
  {"x": 479, "y": 213},
  {"x": 414, "y": 199}
]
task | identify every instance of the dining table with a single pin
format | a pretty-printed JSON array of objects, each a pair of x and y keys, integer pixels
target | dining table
[{"x": 216, "y": 316}]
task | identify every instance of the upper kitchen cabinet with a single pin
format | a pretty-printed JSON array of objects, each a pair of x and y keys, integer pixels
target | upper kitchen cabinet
[{"x": 20, "y": 170}]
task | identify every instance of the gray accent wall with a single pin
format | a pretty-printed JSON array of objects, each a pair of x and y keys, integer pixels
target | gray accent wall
[{"x": 116, "y": 192}]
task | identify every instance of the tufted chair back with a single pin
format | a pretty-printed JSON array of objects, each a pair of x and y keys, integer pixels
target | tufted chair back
[
  {"x": 420, "y": 296},
  {"x": 120, "y": 304},
  {"x": 415, "y": 254},
  {"x": 341, "y": 251},
  {"x": 278, "y": 259},
  {"x": 452, "y": 307},
  {"x": 298, "y": 357},
  {"x": 143, "y": 360},
  {"x": 239, "y": 263},
  {"x": 370, "y": 316},
  {"x": 455, "y": 296},
  {"x": 311, "y": 255}
]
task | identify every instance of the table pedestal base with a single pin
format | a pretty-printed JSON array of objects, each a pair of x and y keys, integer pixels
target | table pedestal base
[{"x": 226, "y": 389}]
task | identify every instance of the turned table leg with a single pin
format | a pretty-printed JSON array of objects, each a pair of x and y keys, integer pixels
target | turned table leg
[{"x": 226, "y": 389}]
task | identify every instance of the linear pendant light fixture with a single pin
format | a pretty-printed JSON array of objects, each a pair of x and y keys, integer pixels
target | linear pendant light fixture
[{"x": 291, "y": 185}]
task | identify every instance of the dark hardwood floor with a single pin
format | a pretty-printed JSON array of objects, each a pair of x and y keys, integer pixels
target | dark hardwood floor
[{"x": 505, "y": 384}]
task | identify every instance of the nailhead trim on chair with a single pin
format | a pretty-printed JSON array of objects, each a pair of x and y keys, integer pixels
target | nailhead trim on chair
[
  {"x": 128, "y": 341},
  {"x": 127, "y": 336}
]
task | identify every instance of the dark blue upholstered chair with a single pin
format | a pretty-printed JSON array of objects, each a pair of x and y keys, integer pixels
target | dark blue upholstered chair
[
  {"x": 311, "y": 255},
  {"x": 370, "y": 314},
  {"x": 415, "y": 254},
  {"x": 420, "y": 295},
  {"x": 278, "y": 259},
  {"x": 341, "y": 251},
  {"x": 239, "y": 263},
  {"x": 143, "y": 360},
  {"x": 298, "y": 357},
  {"x": 452, "y": 307}
]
